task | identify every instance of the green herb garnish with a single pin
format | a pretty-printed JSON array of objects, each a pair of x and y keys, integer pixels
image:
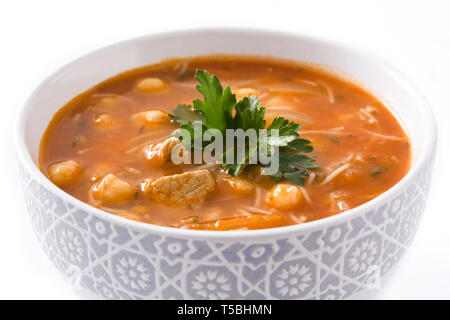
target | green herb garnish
[
  {"x": 338, "y": 98},
  {"x": 334, "y": 139},
  {"x": 215, "y": 111},
  {"x": 377, "y": 170}
]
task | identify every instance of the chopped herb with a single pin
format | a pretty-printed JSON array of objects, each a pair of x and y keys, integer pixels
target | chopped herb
[
  {"x": 184, "y": 114},
  {"x": 338, "y": 98},
  {"x": 377, "y": 170},
  {"x": 136, "y": 194},
  {"x": 141, "y": 129},
  {"x": 334, "y": 139},
  {"x": 215, "y": 111},
  {"x": 79, "y": 141},
  {"x": 217, "y": 104}
]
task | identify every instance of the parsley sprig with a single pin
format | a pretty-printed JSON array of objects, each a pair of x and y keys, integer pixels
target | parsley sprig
[{"x": 215, "y": 111}]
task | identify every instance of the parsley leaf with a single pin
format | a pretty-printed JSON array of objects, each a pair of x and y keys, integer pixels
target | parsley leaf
[
  {"x": 285, "y": 127},
  {"x": 218, "y": 104},
  {"x": 287, "y": 134},
  {"x": 235, "y": 168},
  {"x": 296, "y": 177},
  {"x": 216, "y": 112},
  {"x": 184, "y": 114},
  {"x": 300, "y": 145},
  {"x": 293, "y": 167},
  {"x": 249, "y": 114}
]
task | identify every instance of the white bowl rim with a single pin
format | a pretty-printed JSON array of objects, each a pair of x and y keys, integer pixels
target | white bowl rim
[{"x": 430, "y": 140}]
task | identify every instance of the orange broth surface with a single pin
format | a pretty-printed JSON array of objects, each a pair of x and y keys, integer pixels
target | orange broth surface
[{"x": 360, "y": 147}]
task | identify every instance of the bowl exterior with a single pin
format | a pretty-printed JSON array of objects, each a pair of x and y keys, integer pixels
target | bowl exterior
[{"x": 116, "y": 261}]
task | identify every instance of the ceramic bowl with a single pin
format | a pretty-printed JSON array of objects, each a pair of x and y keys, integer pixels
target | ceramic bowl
[{"x": 329, "y": 258}]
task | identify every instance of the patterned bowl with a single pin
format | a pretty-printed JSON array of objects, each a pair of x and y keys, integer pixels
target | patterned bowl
[{"x": 329, "y": 258}]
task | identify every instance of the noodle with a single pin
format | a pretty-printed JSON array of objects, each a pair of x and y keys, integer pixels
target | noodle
[
  {"x": 335, "y": 173},
  {"x": 328, "y": 90}
]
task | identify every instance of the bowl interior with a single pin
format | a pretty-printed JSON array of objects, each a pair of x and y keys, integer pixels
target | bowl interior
[{"x": 375, "y": 75}]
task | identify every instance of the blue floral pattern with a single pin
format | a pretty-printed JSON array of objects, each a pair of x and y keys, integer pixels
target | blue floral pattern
[
  {"x": 293, "y": 279},
  {"x": 212, "y": 283},
  {"x": 134, "y": 272},
  {"x": 119, "y": 262}
]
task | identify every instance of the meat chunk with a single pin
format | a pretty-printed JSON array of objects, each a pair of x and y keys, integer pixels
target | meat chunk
[
  {"x": 160, "y": 153},
  {"x": 181, "y": 189},
  {"x": 64, "y": 173}
]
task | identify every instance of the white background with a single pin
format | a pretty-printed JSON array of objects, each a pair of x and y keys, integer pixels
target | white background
[{"x": 37, "y": 37}]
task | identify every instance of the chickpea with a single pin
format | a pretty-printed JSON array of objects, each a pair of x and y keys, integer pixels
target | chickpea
[
  {"x": 113, "y": 190},
  {"x": 64, "y": 173},
  {"x": 284, "y": 197},
  {"x": 245, "y": 92},
  {"x": 151, "y": 85},
  {"x": 103, "y": 120},
  {"x": 152, "y": 118},
  {"x": 109, "y": 102}
]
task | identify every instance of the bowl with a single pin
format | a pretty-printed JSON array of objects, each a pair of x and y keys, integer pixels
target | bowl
[{"x": 333, "y": 257}]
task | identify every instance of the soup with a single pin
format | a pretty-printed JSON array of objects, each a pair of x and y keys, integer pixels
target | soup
[{"x": 113, "y": 145}]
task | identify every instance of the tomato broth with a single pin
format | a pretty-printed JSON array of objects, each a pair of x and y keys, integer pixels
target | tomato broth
[{"x": 106, "y": 147}]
